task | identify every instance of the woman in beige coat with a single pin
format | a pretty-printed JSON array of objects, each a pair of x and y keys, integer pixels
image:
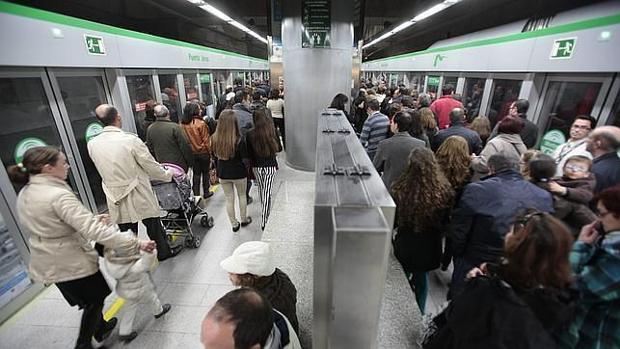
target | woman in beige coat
[
  {"x": 508, "y": 142},
  {"x": 61, "y": 231}
]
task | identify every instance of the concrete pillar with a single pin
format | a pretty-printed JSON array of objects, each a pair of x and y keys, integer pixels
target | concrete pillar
[{"x": 312, "y": 77}]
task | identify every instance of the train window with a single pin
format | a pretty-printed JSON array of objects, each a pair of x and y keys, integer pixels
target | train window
[
  {"x": 504, "y": 93},
  {"x": 142, "y": 96},
  {"x": 205, "y": 88},
  {"x": 81, "y": 95},
  {"x": 170, "y": 95},
  {"x": 191, "y": 87},
  {"x": 432, "y": 84},
  {"x": 564, "y": 100},
  {"x": 27, "y": 121},
  {"x": 614, "y": 117},
  {"x": 472, "y": 96},
  {"x": 452, "y": 80}
]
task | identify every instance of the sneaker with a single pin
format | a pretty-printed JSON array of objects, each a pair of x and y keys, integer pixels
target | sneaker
[
  {"x": 248, "y": 220},
  {"x": 236, "y": 227},
  {"x": 208, "y": 195},
  {"x": 128, "y": 337},
  {"x": 164, "y": 309},
  {"x": 250, "y": 200}
]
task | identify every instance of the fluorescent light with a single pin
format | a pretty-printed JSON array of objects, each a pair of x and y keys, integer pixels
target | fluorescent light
[
  {"x": 431, "y": 11},
  {"x": 226, "y": 18},
  {"x": 425, "y": 14},
  {"x": 217, "y": 13}
]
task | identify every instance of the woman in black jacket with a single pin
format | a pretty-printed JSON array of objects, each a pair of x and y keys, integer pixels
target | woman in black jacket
[
  {"x": 232, "y": 162},
  {"x": 524, "y": 302},
  {"x": 423, "y": 198},
  {"x": 263, "y": 144}
]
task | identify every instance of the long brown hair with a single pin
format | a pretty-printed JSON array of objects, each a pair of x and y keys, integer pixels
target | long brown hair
[
  {"x": 32, "y": 163},
  {"x": 263, "y": 136},
  {"x": 226, "y": 136},
  {"x": 454, "y": 159},
  {"x": 422, "y": 192},
  {"x": 536, "y": 252},
  {"x": 427, "y": 118}
]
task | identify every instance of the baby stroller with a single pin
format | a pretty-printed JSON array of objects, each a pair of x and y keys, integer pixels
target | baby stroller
[{"x": 181, "y": 206}]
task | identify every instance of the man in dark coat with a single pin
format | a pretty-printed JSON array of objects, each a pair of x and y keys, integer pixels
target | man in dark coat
[
  {"x": 242, "y": 111},
  {"x": 529, "y": 133},
  {"x": 392, "y": 153},
  {"x": 603, "y": 144},
  {"x": 458, "y": 128},
  {"x": 485, "y": 213},
  {"x": 167, "y": 141}
]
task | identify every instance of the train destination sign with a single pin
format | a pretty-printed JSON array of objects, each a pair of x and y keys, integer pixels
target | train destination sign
[{"x": 316, "y": 23}]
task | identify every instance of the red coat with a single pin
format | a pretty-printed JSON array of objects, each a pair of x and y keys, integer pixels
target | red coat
[{"x": 442, "y": 108}]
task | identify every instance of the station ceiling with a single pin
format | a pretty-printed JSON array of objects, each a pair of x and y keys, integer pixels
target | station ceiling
[{"x": 181, "y": 20}]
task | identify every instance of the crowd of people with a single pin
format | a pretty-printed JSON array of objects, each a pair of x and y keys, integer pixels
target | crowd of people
[
  {"x": 66, "y": 239},
  {"x": 534, "y": 238},
  {"x": 532, "y": 235}
]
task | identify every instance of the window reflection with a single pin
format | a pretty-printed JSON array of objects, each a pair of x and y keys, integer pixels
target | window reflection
[
  {"x": 504, "y": 93},
  {"x": 472, "y": 96},
  {"x": 614, "y": 117},
  {"x": 28, "y": 121},
  {"x": 81, "y": 95},
  {"x": 565, "y": 100},
  {"x": 191, "y": 87},
  {"x": 170, "y": 95},
  {"x": 142, "y": 96}
]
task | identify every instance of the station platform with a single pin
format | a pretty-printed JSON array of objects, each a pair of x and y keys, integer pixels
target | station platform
[{"x": 194, "y": 280}]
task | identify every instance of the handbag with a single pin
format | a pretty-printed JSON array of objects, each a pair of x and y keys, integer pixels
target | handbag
[{"x": 213, "y": 179}]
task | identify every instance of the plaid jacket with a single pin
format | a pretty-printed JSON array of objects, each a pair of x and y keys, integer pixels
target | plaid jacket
[{"x": 597, "y": 319}]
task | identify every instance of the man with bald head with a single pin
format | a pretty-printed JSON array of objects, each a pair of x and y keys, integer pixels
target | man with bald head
[
  {"x": 126, "y": 168},
  {"x": 458, "y": 127},
  {"x": 603, "y": 144},
  {"x": 244, "y": 319}
]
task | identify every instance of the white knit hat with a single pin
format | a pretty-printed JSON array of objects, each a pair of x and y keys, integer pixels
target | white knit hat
[{"x": 253, "y": 257}]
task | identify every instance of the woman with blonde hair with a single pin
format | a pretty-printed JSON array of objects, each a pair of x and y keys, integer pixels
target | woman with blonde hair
[
  {"x": 423, "y": 198},
  {"x": 232, "y": 159},
  {"x": 454, "y": 159},
  {"x": 524, "y": 163},
  {"x": 482, "y": 125}
]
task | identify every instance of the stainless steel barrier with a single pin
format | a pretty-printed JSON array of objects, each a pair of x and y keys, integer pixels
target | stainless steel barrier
[{"x": 353, "y": 216}]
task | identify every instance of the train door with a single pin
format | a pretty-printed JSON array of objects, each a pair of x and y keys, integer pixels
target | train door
[
  {"x": 610, "y": 115},
  {"x": 566, "y": 96},
  {"x": 78, "y": 93},
  {"x": 30, "y": 118}
]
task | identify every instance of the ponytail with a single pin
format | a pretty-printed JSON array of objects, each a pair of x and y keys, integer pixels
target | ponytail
[{"x": 34, "y": 160}]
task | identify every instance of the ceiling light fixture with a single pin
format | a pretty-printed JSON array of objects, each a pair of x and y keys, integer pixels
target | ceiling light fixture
[
  {"x": 425, "y": 14},
  {"x": 226, "y": 18}
]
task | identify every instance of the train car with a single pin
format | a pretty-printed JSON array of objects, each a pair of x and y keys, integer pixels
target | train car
[
  {"x": 55, "y": 69},
  {"x": 564, "y": 65}
]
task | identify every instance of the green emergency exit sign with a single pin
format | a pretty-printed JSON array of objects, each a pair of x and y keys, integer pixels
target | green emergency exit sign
[
  {"x": 563, "y": 48},
  {"x": 94, "y": 44}
]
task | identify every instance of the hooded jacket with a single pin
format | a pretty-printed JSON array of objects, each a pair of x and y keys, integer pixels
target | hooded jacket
[
  {"x": 128, "y": 266},
  {"x": 509, "y": 145}
]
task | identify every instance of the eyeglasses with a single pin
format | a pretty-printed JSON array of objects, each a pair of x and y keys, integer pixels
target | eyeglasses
[
  {"x": 575, "y": 168},
  {"x": 513, "y": 107},
  {"x": 522, "y": 221},
  {"x": 581, "y": 127}
]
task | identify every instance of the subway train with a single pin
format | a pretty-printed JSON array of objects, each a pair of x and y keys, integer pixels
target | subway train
[
  {"x": 563, "y": 65},
  {"x": 55, "y": 69}
]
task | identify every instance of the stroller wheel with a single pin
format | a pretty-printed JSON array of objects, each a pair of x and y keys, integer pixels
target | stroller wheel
[
  {"x": 196, "y": 242},
  {"x": 207, "y": 221}
]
